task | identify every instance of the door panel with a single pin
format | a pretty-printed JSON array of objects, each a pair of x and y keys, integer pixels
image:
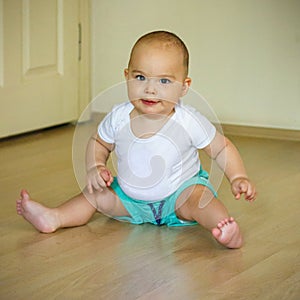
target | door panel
[{"x": 38, "y": 64}]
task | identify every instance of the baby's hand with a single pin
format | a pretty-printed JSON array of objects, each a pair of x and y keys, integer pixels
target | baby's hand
[
  {"x": 98, "y": 178},
  {"x": 241, "y": 186}
]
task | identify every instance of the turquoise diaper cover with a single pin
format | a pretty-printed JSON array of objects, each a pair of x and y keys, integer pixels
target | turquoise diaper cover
[{"x": 160, "y": 212}]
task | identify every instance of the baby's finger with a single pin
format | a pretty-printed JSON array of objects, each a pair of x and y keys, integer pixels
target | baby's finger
[
  {"x": 252, "y": 197},
  {"x": 111, "y": 179},
  {"x": 105, "y": 175},
  {"x": 248, "y": 191},
  {"x": 238, "y": 196},
  {"x": 236, "y": 191},
  {"x": 243, "y": 187},
  {"x": 89, "y": 188},
  {"x": 96, "y": 185},
  {"x": 101, "y": 182}
]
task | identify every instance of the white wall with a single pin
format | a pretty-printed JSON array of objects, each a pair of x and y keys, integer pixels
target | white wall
[{"x": 245, "y": 54}]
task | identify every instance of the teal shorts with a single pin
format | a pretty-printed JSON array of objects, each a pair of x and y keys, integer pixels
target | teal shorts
[{"x": 161, "y": 212}]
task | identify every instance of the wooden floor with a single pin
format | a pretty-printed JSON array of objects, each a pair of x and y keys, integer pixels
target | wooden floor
[{"x": 107, "y": 259}]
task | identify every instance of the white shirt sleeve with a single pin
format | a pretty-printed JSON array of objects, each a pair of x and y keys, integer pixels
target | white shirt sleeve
[
  {"x": 106, "y": 129},
  {"x": 201, "y": 130},
  {"x": 114, "y": 121}
]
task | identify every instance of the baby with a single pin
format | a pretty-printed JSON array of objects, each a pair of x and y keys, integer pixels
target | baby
[{"x": 156, "y": 139}]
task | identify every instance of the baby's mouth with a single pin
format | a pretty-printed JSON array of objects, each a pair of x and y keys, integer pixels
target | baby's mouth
[{"x": 150, "y": 102}]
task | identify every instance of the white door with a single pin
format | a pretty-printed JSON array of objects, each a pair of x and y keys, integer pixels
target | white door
[{"x": 38, "y": 64}]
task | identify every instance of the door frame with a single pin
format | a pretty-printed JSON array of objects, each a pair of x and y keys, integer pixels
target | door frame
[{"x": 84, "y": 80}]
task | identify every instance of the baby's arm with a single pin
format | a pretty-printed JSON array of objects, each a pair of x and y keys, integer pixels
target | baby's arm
[
  {"x": 97, "y": 154},
  {"x": 229, "y": 160}
]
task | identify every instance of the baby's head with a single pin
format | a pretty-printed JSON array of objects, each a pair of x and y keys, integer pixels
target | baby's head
[
  {"x": 163, "y": 40},
  {"x": 157, "y": 72}
]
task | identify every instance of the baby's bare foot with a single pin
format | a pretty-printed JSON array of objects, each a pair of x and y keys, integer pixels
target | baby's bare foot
[
  {"x": 42, "y": 218},
  {"x": 228, "y": 233}
]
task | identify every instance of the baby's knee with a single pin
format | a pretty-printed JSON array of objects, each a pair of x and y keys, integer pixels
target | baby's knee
[
  {"x": 200, "y": 197},
  {"x": 191, "y": 200},
  {"x": 100, "y": 200},
  {"x": 105, "y": 202}
]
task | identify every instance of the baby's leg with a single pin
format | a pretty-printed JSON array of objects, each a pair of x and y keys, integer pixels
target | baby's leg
[
  {"x": 213, "y": 215},
  {"x": 75, "y": 212}
]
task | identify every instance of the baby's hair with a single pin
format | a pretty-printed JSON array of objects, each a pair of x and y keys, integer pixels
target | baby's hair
[{"x": 167, "y": 39}]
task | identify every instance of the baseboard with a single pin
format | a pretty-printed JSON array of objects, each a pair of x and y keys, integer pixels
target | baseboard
[{"x": 261, "y": 132}]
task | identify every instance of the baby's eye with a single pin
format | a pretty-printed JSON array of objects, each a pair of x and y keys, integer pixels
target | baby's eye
[
  {"x": 140, "y": 77},
  {"x": 164, "y": 81}
]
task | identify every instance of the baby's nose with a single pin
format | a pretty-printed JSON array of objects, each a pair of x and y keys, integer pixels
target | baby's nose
[{"x": 150, "y": 87}]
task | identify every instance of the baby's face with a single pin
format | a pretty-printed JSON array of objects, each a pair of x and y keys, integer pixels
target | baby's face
[{"x": 156, "y": 79}]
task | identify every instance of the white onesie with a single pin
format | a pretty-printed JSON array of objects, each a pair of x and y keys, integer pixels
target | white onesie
[{"x": 154, "y": 168}]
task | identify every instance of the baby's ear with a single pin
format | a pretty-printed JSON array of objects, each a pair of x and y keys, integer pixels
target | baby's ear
[
  {"x": 186, "y": 85},
  {"x": 126, "y": 73}
]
